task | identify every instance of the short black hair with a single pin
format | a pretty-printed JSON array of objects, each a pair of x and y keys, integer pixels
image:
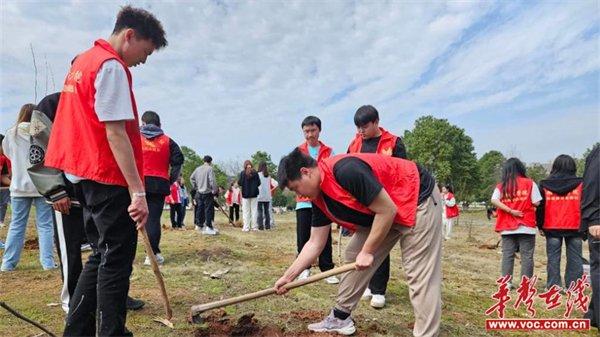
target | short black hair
[
  {"x": 365, "y": 114},
  {"x": 290, "y": 165},
  {"x": 207, "y": 159},
  {"x": 449, "y": 188},
  {"x": 144, "y": 23},
  {"x": 311, "y": 120},
  {"x": 151, "y": 117},
  {"x": 564, "y": 164}
]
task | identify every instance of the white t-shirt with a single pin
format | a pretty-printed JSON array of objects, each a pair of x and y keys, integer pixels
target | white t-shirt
[
  {"x": 536, "y": 196},
  {"x": 112, "y": 98}
]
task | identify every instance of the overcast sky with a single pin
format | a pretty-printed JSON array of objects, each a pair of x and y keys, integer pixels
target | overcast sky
[{"x": 237, "y": 77}]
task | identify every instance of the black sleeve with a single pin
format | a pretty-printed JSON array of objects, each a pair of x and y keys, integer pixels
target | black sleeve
[
  {"x": 4, "y": 169},
  {"x": 357, "y": 177},
  {"x": 399, "y": 149},
  {"x": 590, "y": 202},
  {"x": 540, "y": 210},
  {"x": 175, "y": 161},
  {"x": 319, "y": 219}
]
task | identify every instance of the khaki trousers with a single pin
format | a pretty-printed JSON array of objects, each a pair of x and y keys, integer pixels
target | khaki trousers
[{"x": 421, "y": 248}]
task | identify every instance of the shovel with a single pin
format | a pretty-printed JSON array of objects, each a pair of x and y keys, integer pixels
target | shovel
[
  {"x": 200, "y": 308},
  {"x": 159, "y": 279}
]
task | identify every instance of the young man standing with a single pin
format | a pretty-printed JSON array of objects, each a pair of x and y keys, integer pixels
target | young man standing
[
  {"x": 162, "y": 165},
  {"x": 204, "y": 182},
  {"x": 313, "y": 147},
  {"x": 385, "y": 201},
  {"x": 370, "y": 138},
  {"x": 96, "y": 141}
]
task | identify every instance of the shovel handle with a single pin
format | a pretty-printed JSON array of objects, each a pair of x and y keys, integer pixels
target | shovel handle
[
  {"x": 159, "y": 278},
  {"x": 200, "y": 308}
]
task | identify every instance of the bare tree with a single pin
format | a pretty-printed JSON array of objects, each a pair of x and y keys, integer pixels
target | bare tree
[
  {"x": 35, "y": 73},
  {"x": 232, "y": 167}
]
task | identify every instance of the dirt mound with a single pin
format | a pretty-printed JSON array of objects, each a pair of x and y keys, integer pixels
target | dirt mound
[
  {"x": 31, "y": 244},
  {"x": 216, "y": 253}
]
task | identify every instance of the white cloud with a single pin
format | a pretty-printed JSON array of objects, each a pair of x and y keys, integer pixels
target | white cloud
[{"x": 239, "y": 76}]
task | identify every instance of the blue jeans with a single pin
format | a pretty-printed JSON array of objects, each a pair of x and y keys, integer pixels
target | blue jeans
[
  {"x": 574, "y": 269},
  {"x": 15, "y": 238}
]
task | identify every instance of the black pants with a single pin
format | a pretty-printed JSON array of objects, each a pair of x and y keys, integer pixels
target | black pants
[
  {"x": 206, "y": 209},
  {"x": 183, "y": 212},
  {"x": 155, "y": 207},
  {"x": 594, "y": 310},
  {"x": 69, "y": 235},
  {"x": 98, "y": 305},
  {"x": 234, "y": 209},
  {"x": 175, "y": 214},
  {"x": 303, "y": 221},
  {"x": 264, "y": 218},
  {"x": 380, "y": 279}
]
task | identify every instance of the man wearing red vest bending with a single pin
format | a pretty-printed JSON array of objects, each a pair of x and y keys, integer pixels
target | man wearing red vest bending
[
  {"x": 96, "y": 141},
  {"x": 162, "y": 166},
  {"x": 385, "y": 201},
  {"x": 370, "y": 138},
  {"x": 313, "y": 147}
]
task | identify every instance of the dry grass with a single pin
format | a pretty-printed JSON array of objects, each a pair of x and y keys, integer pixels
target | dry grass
[{"x": 256, "y": 260}]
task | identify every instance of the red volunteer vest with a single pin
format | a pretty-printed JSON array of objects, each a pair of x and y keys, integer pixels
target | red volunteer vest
[
  {"x": 386, "y": 145},
  {"x": 521, "y": 201},
  {"x": 324, "y": 152},
  {"x": 399, "y": 177},
  {"x": 451, "y": 212},
  {"x": 4, "y": 162},
  {"x": 174, "y": 197},
  {"x": 157, "y": 156},
  {"x": 563, "y": 211},
  {"x": 78, "y": 143}
]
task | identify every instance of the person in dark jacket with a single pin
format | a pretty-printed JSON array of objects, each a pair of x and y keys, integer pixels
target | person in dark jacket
[
  {"x": 162, "y": 165},
  {"x": 558, "y": 218},
  {"x": 69, "y": 233},
  {"x": 590, "y": 223},
  {"x": 249, "y": 182}
]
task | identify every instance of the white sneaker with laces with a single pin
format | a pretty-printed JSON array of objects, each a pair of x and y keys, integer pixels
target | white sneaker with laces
[
  {"x": 367, "y": 294},
  {"x": 378, "y": 301},
  {"x": 332, "y": 324},
  {"x": 332, "y": 280},
  {"x": 304, "y": 274}
]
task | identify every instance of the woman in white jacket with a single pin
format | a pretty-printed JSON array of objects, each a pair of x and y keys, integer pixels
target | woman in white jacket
[{"x": 23, "y": 194}]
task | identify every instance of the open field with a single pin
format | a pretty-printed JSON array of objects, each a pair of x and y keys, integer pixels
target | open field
[{"x": 256, "y": 260}]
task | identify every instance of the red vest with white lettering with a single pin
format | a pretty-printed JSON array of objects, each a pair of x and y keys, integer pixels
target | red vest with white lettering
[
  {"x": 324, "y": 152},
  {"x": 386, "y": 145},
  {"x": 562, "y": 211},
  {"x": 451, "y": 212},
  {"x": 520, "y": 201},
  {"x": 399, "y": 177},
  {"x": 157, "y": 155},
  {"x": 78, "y": 144}
]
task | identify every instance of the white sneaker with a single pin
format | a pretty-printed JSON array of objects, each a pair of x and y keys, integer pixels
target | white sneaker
[
  {"x": 245, "y": 230},
  {"x": 304, "y": 274},
  {"x": 367, "y": 294},
  {"x": 198, "y": 228},
  {"x": 332, "y": 280},
  {"x": 159, "y": 258},
  {"x": 147, "y": 261},
  {"x": 378, "y": 301},
  {"x": 209, "y": 231}
]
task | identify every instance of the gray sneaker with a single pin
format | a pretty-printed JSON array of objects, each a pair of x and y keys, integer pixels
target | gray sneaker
[{"x": 333, "y": 324}]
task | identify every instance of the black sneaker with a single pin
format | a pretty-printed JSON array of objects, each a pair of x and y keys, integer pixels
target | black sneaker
[{"x": 133, "y": 304}]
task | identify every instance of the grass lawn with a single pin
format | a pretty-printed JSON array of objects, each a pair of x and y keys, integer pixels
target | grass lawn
[{"x": 256, "y": 260}]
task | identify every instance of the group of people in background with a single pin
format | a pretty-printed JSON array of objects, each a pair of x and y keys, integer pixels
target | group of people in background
[{"x": 563, "y": 208}]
